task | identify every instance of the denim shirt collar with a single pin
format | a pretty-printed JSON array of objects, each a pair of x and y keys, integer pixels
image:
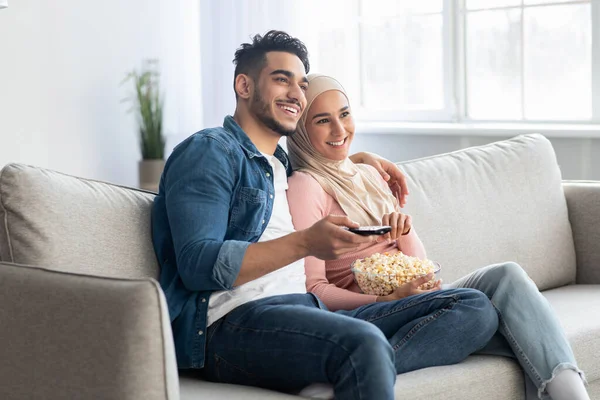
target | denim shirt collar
[{"x": 232, "y": 127}]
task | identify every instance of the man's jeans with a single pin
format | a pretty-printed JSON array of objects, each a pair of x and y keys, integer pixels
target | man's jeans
[{"x": 288, "y": 342}]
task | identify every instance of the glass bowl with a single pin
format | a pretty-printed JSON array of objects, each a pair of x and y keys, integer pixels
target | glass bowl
[{"x": 382, "y": 284}]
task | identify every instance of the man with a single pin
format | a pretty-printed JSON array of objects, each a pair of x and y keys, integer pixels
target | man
[{"x": 231, "y": 263}]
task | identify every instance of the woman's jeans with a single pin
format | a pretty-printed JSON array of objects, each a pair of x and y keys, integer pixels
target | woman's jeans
[
  {"x": 529, "y": 330},
  {"x": 288, "y": 342}
]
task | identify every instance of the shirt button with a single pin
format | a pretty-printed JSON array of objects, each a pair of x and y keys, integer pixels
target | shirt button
[
  {"x": 263, "y": 221},
  {"x": 200, "y": 333},
  {"x": 203, "y": 300},
  {"x": 270, "y": 196},
  {"x": 268, "y": 174}
]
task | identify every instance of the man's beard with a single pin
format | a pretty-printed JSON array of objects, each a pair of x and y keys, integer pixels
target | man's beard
[{"x": 261, "y": 109}]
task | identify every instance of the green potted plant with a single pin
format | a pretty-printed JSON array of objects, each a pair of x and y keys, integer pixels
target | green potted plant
[{"x": 148, "y": 105}]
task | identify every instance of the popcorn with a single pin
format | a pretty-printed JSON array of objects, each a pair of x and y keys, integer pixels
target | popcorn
[{"x": 379, "y": 274}]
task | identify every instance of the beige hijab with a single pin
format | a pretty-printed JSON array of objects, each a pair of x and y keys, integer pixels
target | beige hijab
[{"x": 356, "y": 187}]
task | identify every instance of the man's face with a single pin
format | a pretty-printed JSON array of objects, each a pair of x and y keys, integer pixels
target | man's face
[{"x": 279, "y": 93}]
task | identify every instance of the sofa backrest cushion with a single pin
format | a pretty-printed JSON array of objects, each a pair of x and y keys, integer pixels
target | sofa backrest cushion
[
  {"x": 474, "y": 207},
  {"x": 75, "y": 225},
  {"x": 488, "y": 204}
]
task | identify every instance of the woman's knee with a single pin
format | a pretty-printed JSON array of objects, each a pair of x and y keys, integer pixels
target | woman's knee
[
  {"x": 512, "y": 270},
  {"x": 514, "y": 278},
  {"x": 505, "y": 275}
]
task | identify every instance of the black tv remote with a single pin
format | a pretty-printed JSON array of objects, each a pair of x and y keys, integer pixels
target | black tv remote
[{"x": 371, "y": 230}]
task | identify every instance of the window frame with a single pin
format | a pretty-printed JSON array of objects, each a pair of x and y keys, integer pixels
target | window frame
[
  {"x": 455, "y": 75},
  {"x": 445, "y": 114}
]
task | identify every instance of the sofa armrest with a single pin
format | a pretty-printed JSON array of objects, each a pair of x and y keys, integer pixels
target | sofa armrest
[
  {"x": 72, "y": 336},
  {"x": 583, "y": 202}
]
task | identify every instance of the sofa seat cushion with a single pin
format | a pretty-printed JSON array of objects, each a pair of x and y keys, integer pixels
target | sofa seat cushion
[
  {"x": 73, "y": 224},
  {"x": 488, "y": 204},
  {"x": 478, "y": 377},
  {"x": 578, "y": 308},
  {"x": 191, "y": 388}
]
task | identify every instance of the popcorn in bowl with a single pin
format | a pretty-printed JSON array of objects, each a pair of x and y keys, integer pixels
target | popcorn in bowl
[{"x": 379, "y": 274}]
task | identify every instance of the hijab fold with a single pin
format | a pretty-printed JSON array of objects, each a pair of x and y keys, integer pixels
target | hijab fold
[{"x": 357, "y": 188}]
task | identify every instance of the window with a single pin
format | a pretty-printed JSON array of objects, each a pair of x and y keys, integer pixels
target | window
[{"x": 458, "y": 61}]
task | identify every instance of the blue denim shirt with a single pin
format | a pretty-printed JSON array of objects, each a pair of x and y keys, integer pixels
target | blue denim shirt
[{"x": 215, "y": 198}]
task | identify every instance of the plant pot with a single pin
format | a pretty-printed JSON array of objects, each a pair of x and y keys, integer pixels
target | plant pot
[{"x": 149, "y": 173}]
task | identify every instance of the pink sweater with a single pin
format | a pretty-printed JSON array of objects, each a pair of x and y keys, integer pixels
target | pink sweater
[{"x": 333, "y": 281}]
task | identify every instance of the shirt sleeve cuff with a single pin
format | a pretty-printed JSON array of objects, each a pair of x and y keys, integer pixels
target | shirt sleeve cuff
[{"x": 229, "y": 262}]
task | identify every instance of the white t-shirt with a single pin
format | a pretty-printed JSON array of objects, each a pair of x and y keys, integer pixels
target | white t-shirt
[{"x": 287, "y": 280}]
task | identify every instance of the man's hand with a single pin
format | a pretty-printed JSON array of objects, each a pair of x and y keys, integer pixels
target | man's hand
[
  {"x": 388, "y": 170},
  {"x": 411, "y": 288},
  {"x": 327, "y": 240},
  {"x": 401, "y": 225}
]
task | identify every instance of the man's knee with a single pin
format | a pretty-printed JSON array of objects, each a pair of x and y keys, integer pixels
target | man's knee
[
  {"x": 366, "y": 338},
  {"x": 479, "y": 312},
  {"x": 474, "y": 297}
]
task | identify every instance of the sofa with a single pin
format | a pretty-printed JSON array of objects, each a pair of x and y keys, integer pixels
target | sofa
[{"x": 83, "y": 317}]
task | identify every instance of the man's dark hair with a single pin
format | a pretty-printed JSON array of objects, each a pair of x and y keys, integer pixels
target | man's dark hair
[{"x": 251, "y": 58}]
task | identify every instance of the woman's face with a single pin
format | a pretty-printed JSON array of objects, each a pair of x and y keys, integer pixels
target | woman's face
[{"x": 330, "y": 125}]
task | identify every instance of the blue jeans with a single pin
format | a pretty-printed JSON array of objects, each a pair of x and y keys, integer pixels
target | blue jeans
[
  {"x": 287, "y": 342},
  {"x": 439, "y": 328},
  {"x": 528, "y": 330}
]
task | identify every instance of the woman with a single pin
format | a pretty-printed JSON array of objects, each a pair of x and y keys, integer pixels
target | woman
[{"x": 327, "y": 182}]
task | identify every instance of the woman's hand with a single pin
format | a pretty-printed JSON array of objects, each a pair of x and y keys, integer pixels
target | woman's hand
[
  {"x": 411, "y": 288},
  {"x": 388, "y": 170},
  {"x": 401, "y": 225}
]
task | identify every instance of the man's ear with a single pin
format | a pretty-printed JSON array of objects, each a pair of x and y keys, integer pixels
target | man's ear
[{"x": 244, "y": 85}]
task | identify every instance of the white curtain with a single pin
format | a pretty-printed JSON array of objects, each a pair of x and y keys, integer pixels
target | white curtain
[{"x": 181, "y": 71}]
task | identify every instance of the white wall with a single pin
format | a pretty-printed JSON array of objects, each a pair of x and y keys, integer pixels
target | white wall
[{"x": 61, "y": 65}]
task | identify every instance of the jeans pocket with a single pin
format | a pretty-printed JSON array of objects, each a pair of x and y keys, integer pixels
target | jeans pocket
[
  {"x": 212, "y": 329},
  {"x": 227, "y": 372},
  {"x": 318, "y": 302}
]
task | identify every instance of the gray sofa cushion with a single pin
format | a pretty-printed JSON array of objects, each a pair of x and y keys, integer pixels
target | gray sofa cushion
[
  {"x": 478, "y": 377},
  {"x": 192, "y": 388},
  {"x": 494, "y": 203},
  {"x": 75, "y": 225},
  {"x": 577, "y": 307},
  {"x": 473, "y": 207},
  {"x": 72, "y": 336},
  {"x": 583, "y": 200}
]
